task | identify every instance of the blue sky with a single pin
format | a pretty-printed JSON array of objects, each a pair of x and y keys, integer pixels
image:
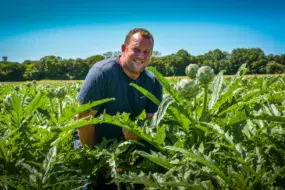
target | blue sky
[{"x": 82, "y": 28}]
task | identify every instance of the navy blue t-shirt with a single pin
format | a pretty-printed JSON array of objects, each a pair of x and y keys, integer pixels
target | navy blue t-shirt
[{"x": 106, "y": 79}]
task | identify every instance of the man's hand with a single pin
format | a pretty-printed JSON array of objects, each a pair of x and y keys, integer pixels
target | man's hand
[{"x": 130, "y": 136}]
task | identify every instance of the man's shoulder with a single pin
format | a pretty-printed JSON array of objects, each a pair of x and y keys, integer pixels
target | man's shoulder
[{"x": 106, "y": 64}]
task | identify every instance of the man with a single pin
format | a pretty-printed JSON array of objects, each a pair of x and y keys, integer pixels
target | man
[{"x": 111, "y": 78}]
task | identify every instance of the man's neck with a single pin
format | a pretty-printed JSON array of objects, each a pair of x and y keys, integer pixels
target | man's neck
[{"x": 131, "y": 75}]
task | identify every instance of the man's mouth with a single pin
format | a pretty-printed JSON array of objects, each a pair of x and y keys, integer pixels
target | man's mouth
[{"x": 139, "y": 62}]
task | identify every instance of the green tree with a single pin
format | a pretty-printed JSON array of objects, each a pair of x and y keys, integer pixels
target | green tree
[
  {"x": 253, "y": 57},
  {"x": 274, "y": 68},
  {"x": 5, "y": 58},
  {"x": 156, "y": 54},
  {"x": 11, "y": 71},
  {"x": 94, "y": 59},
  {"x": 216, "y": 59}
]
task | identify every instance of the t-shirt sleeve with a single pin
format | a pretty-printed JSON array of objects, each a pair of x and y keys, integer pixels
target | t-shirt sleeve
[
  {"x": 152, "y": 107},
  {"x": 93, "y": 87}
]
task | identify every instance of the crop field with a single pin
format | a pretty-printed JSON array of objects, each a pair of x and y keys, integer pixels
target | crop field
[
  {"x": 169, "y": 78},
  {"x": 208, "y": 133}
]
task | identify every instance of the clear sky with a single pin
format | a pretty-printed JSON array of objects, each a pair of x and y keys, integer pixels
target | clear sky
[{"x": 81, "y": 28}]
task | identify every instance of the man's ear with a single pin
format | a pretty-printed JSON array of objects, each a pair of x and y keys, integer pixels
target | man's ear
[{"x": 123, "y": 48}]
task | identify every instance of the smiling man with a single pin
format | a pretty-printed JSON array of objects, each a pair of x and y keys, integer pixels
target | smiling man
[{"x": 111, "y": 78}]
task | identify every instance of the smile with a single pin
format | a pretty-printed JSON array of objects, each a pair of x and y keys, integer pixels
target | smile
[{"x": 136, "y": 61}]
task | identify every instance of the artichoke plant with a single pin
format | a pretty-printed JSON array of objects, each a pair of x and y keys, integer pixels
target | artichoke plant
[
  {"x": 17, "y": 88},
  {"x": 205, "y": 75},
  {"x": 187, "y": 88},
  {"x": 191, "y": 70},
  {"x": 29, "y": 85},
  {"x": 51, "y": 93},
  {"x": 60, "y": 92}
]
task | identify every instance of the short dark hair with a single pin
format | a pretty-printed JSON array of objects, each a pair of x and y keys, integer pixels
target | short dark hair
[{"x": 145, "y": 33}]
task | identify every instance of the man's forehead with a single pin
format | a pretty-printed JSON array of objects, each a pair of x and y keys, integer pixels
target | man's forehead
[{"x": 136, "y": 36}]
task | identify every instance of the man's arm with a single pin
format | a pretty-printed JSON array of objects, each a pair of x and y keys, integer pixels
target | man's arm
[{"x": 86, "y": 133}]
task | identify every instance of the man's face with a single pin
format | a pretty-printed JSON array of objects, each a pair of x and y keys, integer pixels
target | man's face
[{"x": 137, "y": 53}]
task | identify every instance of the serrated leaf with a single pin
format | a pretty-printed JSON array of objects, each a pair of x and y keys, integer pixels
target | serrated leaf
[
  {"x": 159, "y": 159},
  {"x": 33, "y": 105},
  {"x": 216, "y": 87},
  {"x": 165, "y": 83},
  {"x": 146, "y": 93},
  {"x": 86, "y": 107}
]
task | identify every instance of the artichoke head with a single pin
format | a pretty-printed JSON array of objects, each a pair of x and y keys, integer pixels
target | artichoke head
[
  {"x": 205, "y": 75},
  {"x": 187, "y": 88},
  {"x": 191, "y": 70}
]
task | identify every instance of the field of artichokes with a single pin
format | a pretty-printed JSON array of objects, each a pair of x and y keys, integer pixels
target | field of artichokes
[{"x": 208, "y": 133}]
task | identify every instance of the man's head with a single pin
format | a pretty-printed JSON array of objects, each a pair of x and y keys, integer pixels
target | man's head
[
  {"x": 136, "y": 51},
  {"x": 143, "y": 32}
]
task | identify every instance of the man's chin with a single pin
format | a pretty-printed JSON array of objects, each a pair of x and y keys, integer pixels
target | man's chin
[{"x": 137, "y": 71}]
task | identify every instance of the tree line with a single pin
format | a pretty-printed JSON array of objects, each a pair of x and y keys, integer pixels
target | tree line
[{"x": 57, "y": 68}]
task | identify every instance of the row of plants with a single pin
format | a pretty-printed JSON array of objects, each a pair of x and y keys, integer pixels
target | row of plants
[{"x": 208, "y": 133}]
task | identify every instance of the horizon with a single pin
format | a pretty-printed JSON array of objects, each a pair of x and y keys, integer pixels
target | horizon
[{"x": 80, "y": 29}]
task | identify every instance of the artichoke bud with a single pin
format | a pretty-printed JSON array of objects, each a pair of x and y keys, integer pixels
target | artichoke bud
[
  {"x": 191, "y": 70},
  {"x": 29, "y": 85},
  {"x": 51, "y": 93},
  {"x": 76, "y": 87},
  {"x": 244, "y": 80},
  {"x": 8, "y": 100},
  {"x": 205, "y": 75},
  {"x": 187, "y": 88},
  {"x": 28, "y": 100},
  {"x": 17, "y": 88},
  {"x": 60, "y": 92}
]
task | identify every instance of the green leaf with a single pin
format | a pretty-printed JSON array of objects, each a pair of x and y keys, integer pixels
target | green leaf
[
  {"x": 88, "y": 106},
  {"x": 200, "y": 160},
  {"x": 17, "y": 110},
  {"x": 266, "y": 117},
  {"x": 80, "y": 123},
  {"x": 159, "y": 115},
  {"x": 122, "y": 147},
  {"x": 156, "y": 158},
  {"x": 160, "y": 135},
  {"x": 33, "y": 105},
  {"x": 166, "y": 84},
  {"x": 216, "y": 88},
  {"x": 228, "y": 93},
  {"x": 146, "y": 93},
  {"x": 241, "y": 104}
]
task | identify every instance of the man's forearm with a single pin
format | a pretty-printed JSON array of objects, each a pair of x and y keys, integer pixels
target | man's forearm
[{"x": 86, "y": 134}]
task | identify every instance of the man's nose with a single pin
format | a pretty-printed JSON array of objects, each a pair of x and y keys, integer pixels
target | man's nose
[{"x": 140, "y": 54}]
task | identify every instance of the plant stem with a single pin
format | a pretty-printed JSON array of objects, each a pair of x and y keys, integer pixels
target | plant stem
[
  {"x": 60, "y": 107},
  {"x": 195, "y": 108},
  {"x": 205, "y": 102},
  {"x": 51, "y": 106}
]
